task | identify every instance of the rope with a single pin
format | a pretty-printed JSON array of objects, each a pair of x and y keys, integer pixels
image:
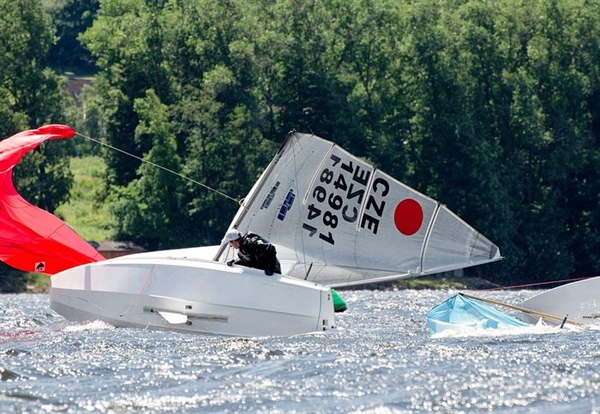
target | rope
[
  {"x": 239, "y": 202},
  {"x": 139, "y": 294},
  {"x": 525, "y": 310},
  {"x": 538, "y": 283}
]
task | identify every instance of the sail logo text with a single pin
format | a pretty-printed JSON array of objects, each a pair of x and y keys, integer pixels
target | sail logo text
[
  {"x": 287, "y": 204},
  {"x": 338, "y": 195},
  {"x": 267, "y": 201}
]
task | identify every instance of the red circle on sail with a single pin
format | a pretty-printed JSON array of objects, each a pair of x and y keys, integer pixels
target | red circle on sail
[{"x": 408, "y": 217}]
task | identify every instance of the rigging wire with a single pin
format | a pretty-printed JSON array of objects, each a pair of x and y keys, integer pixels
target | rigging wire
[
  {"x": 550, "y": 282},
  {"x": 239, "y": 202}
]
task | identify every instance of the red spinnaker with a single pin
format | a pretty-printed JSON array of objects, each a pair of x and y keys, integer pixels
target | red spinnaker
[{"x": 32, "y": 239}]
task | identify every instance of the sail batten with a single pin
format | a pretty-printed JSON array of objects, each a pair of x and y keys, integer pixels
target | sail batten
[
  {"x": 428, "y": 234},
  {"x": 325, "y": 208},
  {"x": 315, "y": 175}
]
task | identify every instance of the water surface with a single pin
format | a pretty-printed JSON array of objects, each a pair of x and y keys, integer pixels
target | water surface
[{"x": 381, "y": 359}]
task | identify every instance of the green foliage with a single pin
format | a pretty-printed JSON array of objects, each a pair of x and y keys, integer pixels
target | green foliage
[
  {"x": 15, "y": 281},
  {"x": 11, "y": 280},
  {"x": 71, "y": 17},
  {"x": 32, "y": 95},
  {"x": 148, "y": 208}
]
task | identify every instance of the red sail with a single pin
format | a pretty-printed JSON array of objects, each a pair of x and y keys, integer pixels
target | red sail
[{"x": 32, "y": 239}]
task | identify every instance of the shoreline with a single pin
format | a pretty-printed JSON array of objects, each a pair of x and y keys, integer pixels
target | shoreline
[{"x": 428, "y": 282}]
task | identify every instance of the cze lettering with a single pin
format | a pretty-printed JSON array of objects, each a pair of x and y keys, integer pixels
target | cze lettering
[
  {"x": 374, "y": 208},
  {"x": 337, "y": 198}
]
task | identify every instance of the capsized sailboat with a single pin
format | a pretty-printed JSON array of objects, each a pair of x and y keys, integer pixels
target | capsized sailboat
[
  {"x": 461, "y": 312},
  {"x": 573, "y": 305},
  {"x": 578, "y": 301},
  {"x": 335, "y": 220}
]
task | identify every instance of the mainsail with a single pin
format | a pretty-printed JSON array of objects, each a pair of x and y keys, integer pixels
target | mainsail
[
  {"x": 32, "y": 239},
  {"x": 336, "y": 220}
]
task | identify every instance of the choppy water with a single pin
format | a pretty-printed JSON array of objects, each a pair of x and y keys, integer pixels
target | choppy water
[{"x": 381, "y": 360}]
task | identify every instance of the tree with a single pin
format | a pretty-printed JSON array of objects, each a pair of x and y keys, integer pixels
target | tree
[
  {"x": 126, "y": 41},
  {"x": 148, "y": 207},
  {"x": 35, "y": 96},
  {"x": 71, "y": 17}
]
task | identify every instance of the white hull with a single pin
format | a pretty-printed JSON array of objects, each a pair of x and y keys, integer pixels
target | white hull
[
  {"x": 168, "y": 291},
  {"x": 579, "y": 300}
]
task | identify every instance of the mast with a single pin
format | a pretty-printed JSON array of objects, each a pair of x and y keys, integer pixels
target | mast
[{"x": 251, "y": 197}]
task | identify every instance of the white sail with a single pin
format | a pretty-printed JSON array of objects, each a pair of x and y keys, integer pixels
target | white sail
[{"x": 338, "y": 221}]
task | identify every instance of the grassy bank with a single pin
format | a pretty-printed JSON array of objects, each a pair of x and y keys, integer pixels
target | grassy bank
[{"x": 89, "y": 218}]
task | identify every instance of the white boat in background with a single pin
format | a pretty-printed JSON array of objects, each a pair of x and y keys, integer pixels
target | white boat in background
[
  {"x": 578, "y": 301},
  {"x": 335, "y": 220}
]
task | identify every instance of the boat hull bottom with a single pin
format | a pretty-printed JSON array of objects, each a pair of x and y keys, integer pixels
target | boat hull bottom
[{"x": 577, "y": 301}]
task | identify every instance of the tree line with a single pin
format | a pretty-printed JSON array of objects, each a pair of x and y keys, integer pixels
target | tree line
[{"x": 491, "y": 107}]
